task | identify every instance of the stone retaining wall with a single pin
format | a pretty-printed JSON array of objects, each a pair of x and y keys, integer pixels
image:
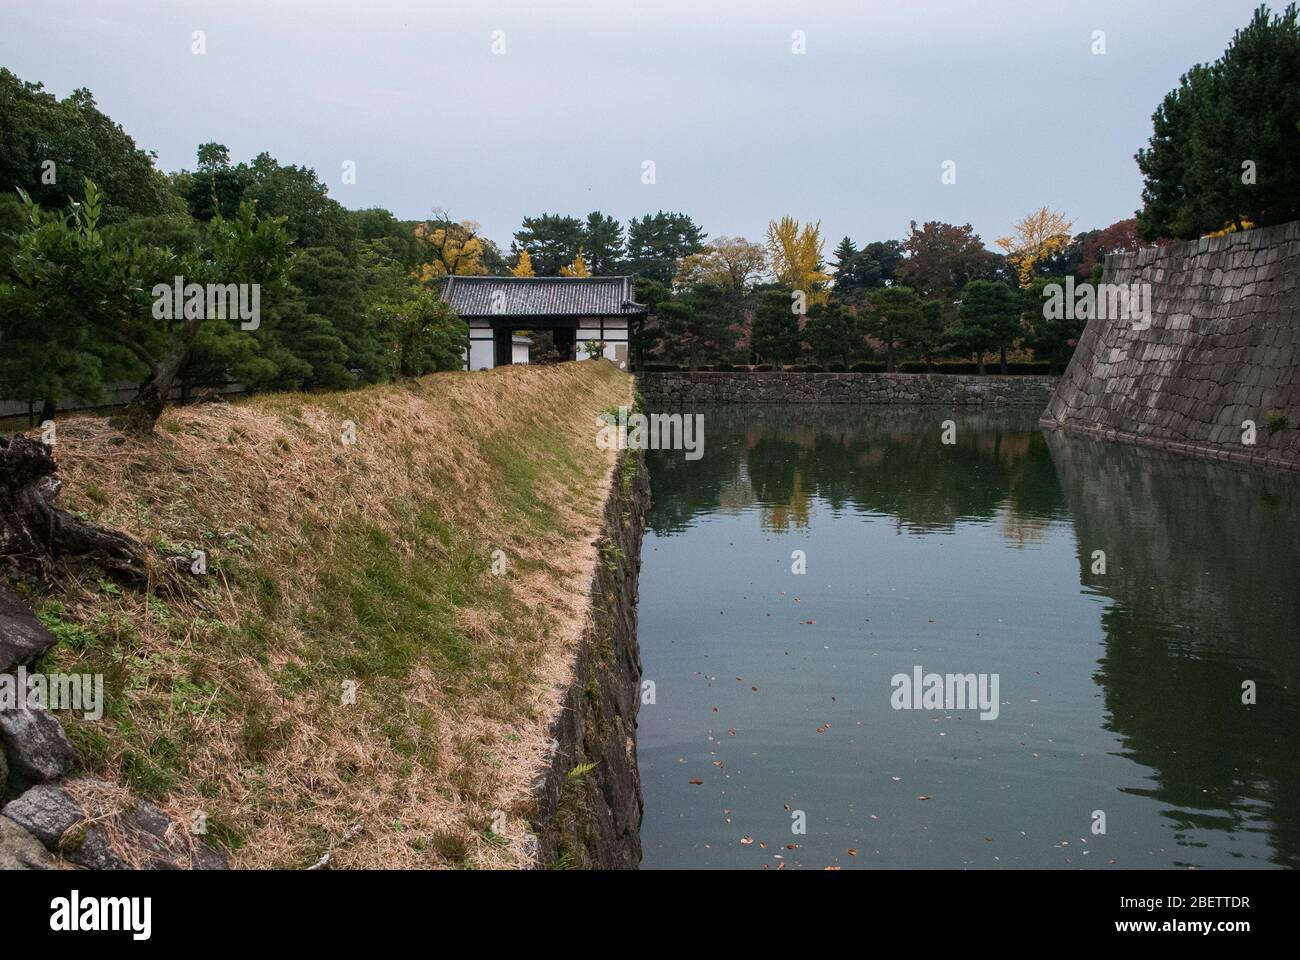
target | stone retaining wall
[
  {"x": 1222, "y": 348},
  {"x": 891, "y": 388},
  {"x": 589, "y": 803}
]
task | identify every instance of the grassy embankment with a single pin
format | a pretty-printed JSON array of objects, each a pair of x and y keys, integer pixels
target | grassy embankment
[{"x": 329, "y": 564}]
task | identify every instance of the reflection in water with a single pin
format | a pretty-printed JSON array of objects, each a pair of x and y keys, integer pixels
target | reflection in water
[
  {"x": 885, "y": 460},
  {"x": 1121, "y": 690},
  {"x": 1202, "y": 575}
]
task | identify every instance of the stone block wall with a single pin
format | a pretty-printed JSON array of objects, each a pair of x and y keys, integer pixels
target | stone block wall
[
  {"x": 1222, "y": 347},
  {"x": 589, "y": 802},
  {"x": 882, "y": 388}
]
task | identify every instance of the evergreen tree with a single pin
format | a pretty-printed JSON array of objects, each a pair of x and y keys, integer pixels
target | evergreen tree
[
  {"x": 696, "y": 326},
  {"x": 893, "y": 317},
  {"x": 602, "y": 244},
  {"x": 988, "y": 318},
  {"x": 1225, "y": 146},
  {"x": 552, "y": 241},
  {"x": 656, "y": 243},
  {"x": 1051, "y": 338},
  {"x": 832, "y": 334},
  {"x": 101, "y": 287},
  {"x": 845, "y": 273},
  {"x": 774, "y": 334}
]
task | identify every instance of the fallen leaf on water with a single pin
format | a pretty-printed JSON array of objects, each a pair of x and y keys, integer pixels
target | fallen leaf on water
[
  {"x": 925, "y": 796},
  {"x": 746, "y": 841},
  {"x": 695, "y": 781},
  {"x": 853, "y": 851},
  {"x": 832, "y": 868}
]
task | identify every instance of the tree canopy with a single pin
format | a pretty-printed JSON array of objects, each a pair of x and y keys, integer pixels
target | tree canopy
[{"x": 1224, "y": 151}]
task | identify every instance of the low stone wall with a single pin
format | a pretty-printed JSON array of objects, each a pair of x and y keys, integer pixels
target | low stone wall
[
  {"x": 1222, "y": 347},
  {"x": 892, "y": 388},
  {"x": 589, "y": 803}
]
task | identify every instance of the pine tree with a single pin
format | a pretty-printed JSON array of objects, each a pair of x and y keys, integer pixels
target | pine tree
[
  {"x": 988, "y": 319},
  {"x": 774, "y": 331},
  {"x": 893, "y": 318},
  {"x": 1225, "y": 145},
  {"x": 833, "y": 334},
  {"x": 847, "y": 282}
]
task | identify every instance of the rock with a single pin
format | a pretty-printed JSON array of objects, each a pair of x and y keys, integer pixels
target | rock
[
  {"x": 22, "y": 636},
  {"x": 143, "y": 836},
  {"x": 19, "y": 850},
  {"x": 37, "y": 748},
  {"x": 48, "y": 814}
]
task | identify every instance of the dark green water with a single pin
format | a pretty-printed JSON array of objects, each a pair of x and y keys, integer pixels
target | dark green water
[{"x": 1119, "y": 693}]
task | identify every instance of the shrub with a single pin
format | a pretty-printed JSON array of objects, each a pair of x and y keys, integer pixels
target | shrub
[
  {"x": 1276, "y": 420},
  {"x": 868, "y": 366}
]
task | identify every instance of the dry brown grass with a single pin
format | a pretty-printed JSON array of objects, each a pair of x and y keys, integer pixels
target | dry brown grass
[{"x": 331, "y": 563}]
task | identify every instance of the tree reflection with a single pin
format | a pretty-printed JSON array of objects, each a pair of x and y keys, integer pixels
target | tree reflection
[
  {"x": 881, "y": 460},
  {"x": 1201, "y": 572}
]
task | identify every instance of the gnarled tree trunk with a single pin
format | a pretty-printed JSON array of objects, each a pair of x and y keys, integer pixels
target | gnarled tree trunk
[{"x": 35, "y": 534}]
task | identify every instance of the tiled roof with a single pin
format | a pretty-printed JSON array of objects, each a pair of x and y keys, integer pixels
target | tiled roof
[{"x": 542, "y": 296}]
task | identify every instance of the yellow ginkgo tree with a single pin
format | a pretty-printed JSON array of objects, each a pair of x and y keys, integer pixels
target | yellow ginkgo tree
[
  {"x": 524, "y": 268},
  {"x": 1035, "y": 237},
  {"x": 449, "y": 249},
  {"x": 576, "y": 269},
  {"x": 797, "y": 257}
]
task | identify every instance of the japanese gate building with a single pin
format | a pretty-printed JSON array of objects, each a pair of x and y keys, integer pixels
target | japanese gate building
[{"x": 576, "y": 310}]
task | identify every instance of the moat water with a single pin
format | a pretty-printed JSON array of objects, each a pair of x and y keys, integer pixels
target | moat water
[{"x": 779, "y": 734}]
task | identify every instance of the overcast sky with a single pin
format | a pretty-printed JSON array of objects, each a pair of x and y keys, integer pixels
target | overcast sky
[{"x": 740, "y": 128}]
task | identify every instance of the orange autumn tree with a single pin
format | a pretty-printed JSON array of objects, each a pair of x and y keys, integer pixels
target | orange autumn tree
[
  {"x": 797, "y": 257},
  {"x": 1034, "y": 238}
]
